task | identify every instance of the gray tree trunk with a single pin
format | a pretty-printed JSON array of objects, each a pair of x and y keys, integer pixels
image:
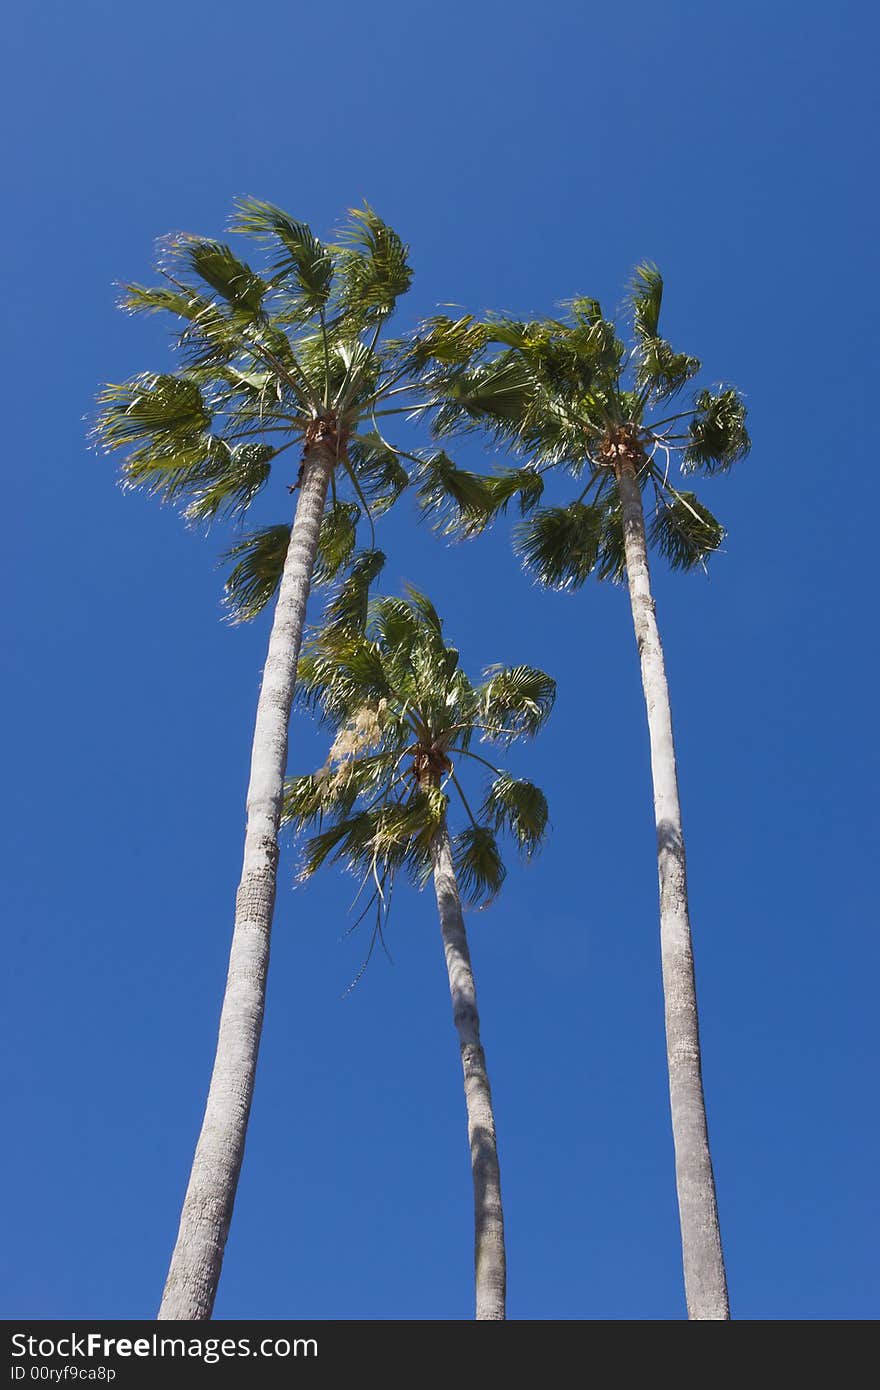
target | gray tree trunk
[
  {"x": 489, "y": 1258},
  {"x": 704, "y": 1276},
  {"x": 194, "y": 1273}
]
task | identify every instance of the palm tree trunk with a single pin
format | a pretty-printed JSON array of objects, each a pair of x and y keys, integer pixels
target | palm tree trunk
[
  {"x": 194, "y": 1273},
  {"x": 489, "y": 1258},
  {"x": 704, "y": 1276}
]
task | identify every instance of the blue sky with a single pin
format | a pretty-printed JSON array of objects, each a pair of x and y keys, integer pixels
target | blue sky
[{"x": 527, "y": 154}]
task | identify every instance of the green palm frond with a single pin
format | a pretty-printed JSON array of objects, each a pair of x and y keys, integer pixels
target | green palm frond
[
  {"x": 453, "y": 342},
  {"x": 230, "y": 481},
  {"x": 308, "y": 799},
  {"x": 399, "y": 629},
  {"x": 611, "y": 561},
  {"x": 646, "y": 296},
  {"x": 219, "y": 267},
  {"x": 560, "y": 545},
  {"x": 153, "y": 299},
  {"x": 340, "y": 672},
  {"x": 662, "y": 371},
  {"x": 456, "y": 500},
  {"x": 524, "y": 484},
  {"x": 301, "y": 263},
  {"x": 514, "y": 701},
  {"x": 478, "y": 866},
  {"x": 718, "y": 434},
  {"x": 684, "y": 531},
  {"x": 561, "y": 359},
  {"x": 255, "y": 577},
  {"x": 378, "y": 470},
  {"x": 349, "y": 606},
  {"x": 384, "y": 836},
  {"x": 164, "y": 423},
  {"x": 162, "y": 409},
  {"x": 428, "y": 614},
  {"x": 519, "y": 807},
  {"x": 375, "y": 268},
  {"x": 495, "y": 395},
  {"x": 336, "y": 539}
]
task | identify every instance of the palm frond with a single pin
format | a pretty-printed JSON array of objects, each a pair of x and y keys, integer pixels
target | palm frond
[
  {"x": 455, "y": 499},
  {"x": 662, "y": 371},
  {"x": 301, "y": 263},
  {"x": 585, "y": 310},
  {"x": 519, "y": 807},
  {"x": 229, "y": 482},
  {"x": 524, "y": 484},
  {"x": 218, "y": 267},
  {"x": 396, "y": 625},
  {"x": 560, "y": 545},
  {"x": 166, "y": 410},
  {"x": 684, "y": 531},
  {"x": 497, "y": 395},
  {"x": 514, "y": 700},
  {"x": 378, "y": 470},
  {"x": 453, "y": 342},
  {"x": 646, "y": 296},
  {"x": 163, "y": 421},
  {"x": 349, "y": 606},
  {"x": 718, "y": 434},
  {"x": 153, "y": 299},
  {"x": 375, "y": 266},
  {"x": 611, "y": 560},
  {"x": 340, "y": 672},
  {"x": 478, "y": 866},
  {"x": 336, "y": 539},
  {"x": 309, "y": 799},
  {"x": 382, "y": 836},
  {"x": 257, "y": 572}
]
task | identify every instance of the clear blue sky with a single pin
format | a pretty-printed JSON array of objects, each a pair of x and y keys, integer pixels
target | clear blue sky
[{"x": 527, "y": 153}]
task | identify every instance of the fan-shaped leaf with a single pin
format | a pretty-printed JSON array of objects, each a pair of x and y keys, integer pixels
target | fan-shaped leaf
[
  {"x": 336, "y": 539},
  {"x": 456, "y": 499},
  {"x": 257, "y": 572},
  {"x": 663, "y": 370},
  {"x": 301, "y": 263},
  {"x": 514, "y": 700},
  {"x": 375, "y": 267},
  {"x": 446, "y": 340},
  {"x": 718, "y": 434},
  {"x": 378, "y": 470},
  {"x": 646, "y": 296},
  {"x": 478, "y": 866},
  {"x": 349, "y": 606},
  {"x": 560, "y": 545},
  {"x": 166, "y": 410},
  {"x": 519, "y": 807},
  {"x": 684, "y": 531}
]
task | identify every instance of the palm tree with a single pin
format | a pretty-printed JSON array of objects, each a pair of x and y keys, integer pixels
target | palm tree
[
  {"x": 405, "y": 716},
  {"x": 570, "y": 395},
  {"x": 288, "y": 359}
]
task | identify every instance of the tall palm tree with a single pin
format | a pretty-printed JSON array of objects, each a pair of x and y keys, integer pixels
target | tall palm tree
[
  {"x": 289, "y": 359},
  {"x": 405, "y": 716},
  {"x": 570, "y": 395}
]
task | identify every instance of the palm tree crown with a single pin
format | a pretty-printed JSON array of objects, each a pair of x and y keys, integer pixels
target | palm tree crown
[
  {"x": 405, "y": 716},
  {"x": 573, "y": 395},
  {"x": 290, "y": 357}
]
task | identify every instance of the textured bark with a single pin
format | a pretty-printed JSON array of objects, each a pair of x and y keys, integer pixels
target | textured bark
[
  {"x": 704, "y": 1276},
  {"x": 489, "y": 1258},
  {"x": 194, "y": 1273}
]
